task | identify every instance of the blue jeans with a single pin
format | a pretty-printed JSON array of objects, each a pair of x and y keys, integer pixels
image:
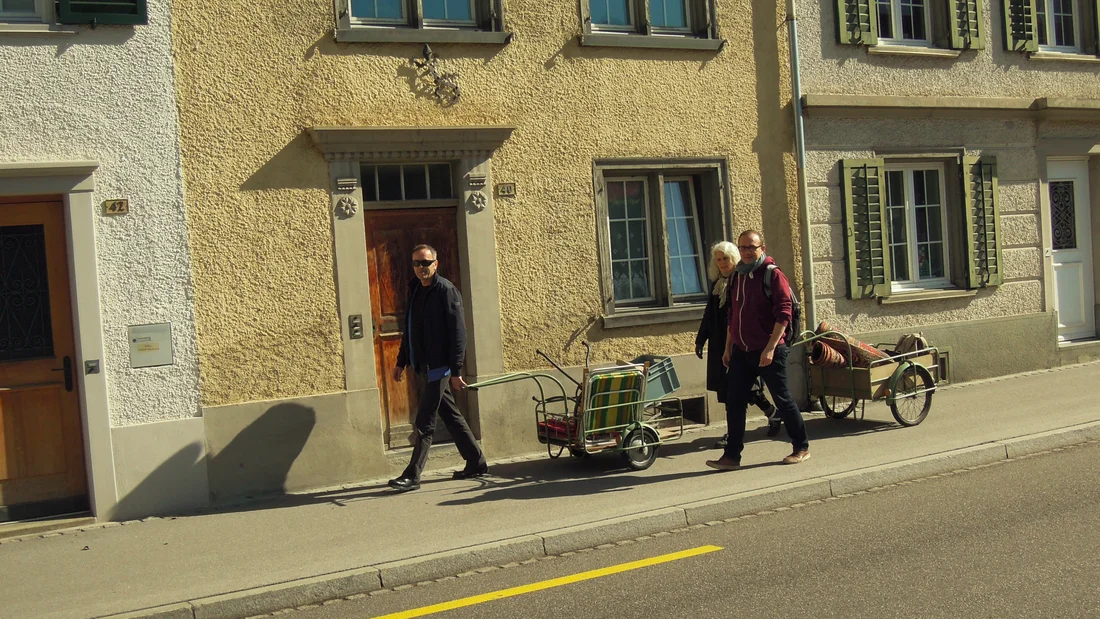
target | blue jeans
[{"x": 743, "y": 369}]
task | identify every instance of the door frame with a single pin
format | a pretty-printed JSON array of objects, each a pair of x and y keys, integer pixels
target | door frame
[
  {"x": 74, "y": 182},
  {"x": 469, "y": 150}
]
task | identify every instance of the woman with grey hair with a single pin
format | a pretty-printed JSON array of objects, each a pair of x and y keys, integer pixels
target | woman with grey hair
[{"x": 712, "y": 331}]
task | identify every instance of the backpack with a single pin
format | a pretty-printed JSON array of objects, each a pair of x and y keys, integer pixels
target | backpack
[{"x": 794, "y": 327}]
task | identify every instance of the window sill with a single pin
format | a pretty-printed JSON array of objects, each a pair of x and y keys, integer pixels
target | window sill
[
  {"x": 637, "y": 318},
  {"x": 651, "y": 42},
  {"x": 906, "y": 50},
  {"x": 41, "y": 30},
  {"x": 927, "y": 295},
  {"x": 1064, "y": 57},
  {"x": 420, "y": 35}
]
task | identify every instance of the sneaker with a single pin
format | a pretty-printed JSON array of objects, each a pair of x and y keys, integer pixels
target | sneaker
[
  {"x": 725, "y": 463},
  {"x": 796, "y": 457},
  {"x": 721, "y": 443}
]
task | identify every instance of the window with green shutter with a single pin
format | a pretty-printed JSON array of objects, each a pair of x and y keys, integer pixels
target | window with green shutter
[
  {"x": 954, "y": 24},
  {"x": 102, "y": 12},
  {"x": 913, "y": 222},
  {"x": 1052, "y": 26}
]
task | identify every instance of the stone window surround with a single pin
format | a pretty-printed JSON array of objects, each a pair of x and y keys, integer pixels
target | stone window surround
[
  {"x": 470, "y": 151},
  {"x": 73, "y": 180}
]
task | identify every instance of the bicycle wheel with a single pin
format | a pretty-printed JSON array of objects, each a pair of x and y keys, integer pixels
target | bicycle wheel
[
  {"x": 639, "y": 449},
  {"x": 912, "y": 396},
  {"x": 837, "y": 407}
]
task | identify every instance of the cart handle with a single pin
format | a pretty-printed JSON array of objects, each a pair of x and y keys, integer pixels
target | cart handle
[{"x": 558, "y": 367}]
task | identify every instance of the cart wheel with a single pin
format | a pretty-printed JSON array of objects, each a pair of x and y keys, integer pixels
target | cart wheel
[
  {"x": 636, "y": 456},
  {"x": 912, "y": 395},
  {"x": 837, "y": 407}
]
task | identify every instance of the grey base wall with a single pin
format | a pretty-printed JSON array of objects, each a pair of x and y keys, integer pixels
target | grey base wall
[{"x": 159, "y": 468}]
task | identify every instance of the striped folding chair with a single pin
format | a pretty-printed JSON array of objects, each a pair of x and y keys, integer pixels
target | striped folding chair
[{"x": 612, "y": 399}]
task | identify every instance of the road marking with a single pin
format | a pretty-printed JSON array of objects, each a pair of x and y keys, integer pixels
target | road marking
[{"x": 550, "y": 584}]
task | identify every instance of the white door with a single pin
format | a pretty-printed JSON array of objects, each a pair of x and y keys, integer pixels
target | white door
[{"x": 1071, "y": 232}]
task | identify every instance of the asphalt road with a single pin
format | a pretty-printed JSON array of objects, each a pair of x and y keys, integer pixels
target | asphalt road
[{"x": 1016, "y": 539}]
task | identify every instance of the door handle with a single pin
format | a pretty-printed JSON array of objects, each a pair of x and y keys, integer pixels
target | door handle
[{"x": 67, "y": 368}]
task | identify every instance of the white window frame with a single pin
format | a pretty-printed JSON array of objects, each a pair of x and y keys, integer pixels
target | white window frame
[
  {"x": 380, "y": 21},
  {"x": 639, "y": 18},
  {"x": 1048, "y": 7},
  {"x": 700, "y": 251},
  {"x": 895, "y": 18},
  {"x": 910, "y": 230},
  {"x": 650, "y": 254},
  {"x": 43, "y": 13}
]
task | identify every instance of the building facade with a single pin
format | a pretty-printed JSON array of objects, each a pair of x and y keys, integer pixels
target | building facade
[
  {"x": 953, "y": 178},
  {"x": 98, "y": 360},
  {"x": 572, "y": 162}
]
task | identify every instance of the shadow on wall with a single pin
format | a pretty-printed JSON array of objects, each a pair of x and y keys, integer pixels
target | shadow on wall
[
  {"x": 255, "y": 463},
  {"x": 297, "y": 165}
]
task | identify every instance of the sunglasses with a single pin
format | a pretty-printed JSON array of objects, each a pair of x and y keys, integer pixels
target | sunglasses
[
  {"x": 749, "y": 247},
  {"x": 423, "y": 263}
]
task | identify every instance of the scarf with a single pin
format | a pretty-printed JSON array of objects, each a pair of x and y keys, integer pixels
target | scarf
[
  {"x": 720, "y": 286},
  {"x": 745, "y": 269}
]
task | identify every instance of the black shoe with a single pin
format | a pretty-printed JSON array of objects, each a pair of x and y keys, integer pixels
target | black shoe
[
  {"x": 773, "y": 428},
  {"x": 469, "y": 473},
  {"x": 404, "y": 484},
  {"x": 721, "y": 443}
]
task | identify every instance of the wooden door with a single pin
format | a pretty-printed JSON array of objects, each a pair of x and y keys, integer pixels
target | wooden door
[
  {"x": 41, "y": 442},
  {"x": 1071, "y": 225},
  {"x": 391, "y": 236}
]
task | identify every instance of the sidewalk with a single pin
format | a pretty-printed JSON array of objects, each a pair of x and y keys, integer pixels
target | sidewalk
[{"x": 358, "y": 539}]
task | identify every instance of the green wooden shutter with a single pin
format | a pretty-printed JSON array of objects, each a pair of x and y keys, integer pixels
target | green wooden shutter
[
  {"x": 1020, "y": 26},
  {"x": 983, "y": 222},
  {"x": 102, "y": 12},
  {"x": 967, "y": 24},
  {"x": 863, "y": 183},
  {"x": 1095, "y": 25},
  {"x": 856, "y": 23}
]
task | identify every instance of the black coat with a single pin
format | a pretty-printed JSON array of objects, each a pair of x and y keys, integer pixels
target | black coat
[
  {"x": 444, "y": 328},
  {"x": 712, "y": 331}
]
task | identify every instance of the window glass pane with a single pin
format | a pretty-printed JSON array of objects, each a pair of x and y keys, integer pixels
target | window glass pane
[
  {"x": 26, "y": 329},
  {"x": 635, "y": 199},
  {"x": 895, "y": 188},
  {"x": 639, "y": 279},
  {"x": 618, "y": 240},
  {"x": 439, "y": 181},
  {"x": 636, "y": 238},
  {"x": 932, "y": 183},
  {"x": 922, "y": 225},
  {"x": 912, "y": 20},
  {"x": 367, "y": 174},
  {"x": 616, "y": 200},
  {"x": 935, "y": 260},
  {"x": 620, "y": 275},
  {"x": 17, "y": 6},
  {"x": 683, "y": 246},
  {"x": 899, "y": 262},
  {"x": 885, "y": 19},
  {"x": 610, "y": 12},
  {"x": 377, "y": 9},
  {"x": 389, "y": 182},
  {"x": 667, "y": 13},
  {"x": 416, "y": 182},
  {"x": 1041, "y": 21},
  {"x": 450, "y": 10},
  {"x": 435, "y": 9},
  {"x": 1063, "y": 23},
  {"x": 919, "y": 188}
]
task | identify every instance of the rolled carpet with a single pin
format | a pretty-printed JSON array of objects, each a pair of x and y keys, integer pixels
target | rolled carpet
[{"x": 862, "y": 353}]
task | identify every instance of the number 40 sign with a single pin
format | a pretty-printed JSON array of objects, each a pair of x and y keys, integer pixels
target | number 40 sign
[{"x": 116, "y": 207}]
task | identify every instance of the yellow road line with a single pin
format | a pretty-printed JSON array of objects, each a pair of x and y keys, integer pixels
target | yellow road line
[{"x": 549, "y": 584}]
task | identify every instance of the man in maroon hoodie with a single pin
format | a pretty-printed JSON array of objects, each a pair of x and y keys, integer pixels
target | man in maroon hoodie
[{"x": 755, "y": 346}]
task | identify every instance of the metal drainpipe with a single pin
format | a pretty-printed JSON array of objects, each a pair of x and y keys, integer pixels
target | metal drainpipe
[{"x": 809, "y": 299}]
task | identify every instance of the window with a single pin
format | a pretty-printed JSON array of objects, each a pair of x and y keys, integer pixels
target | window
[
  {"x": 656, "y": 224},
  {"x": 423, "y": 21},
  {"x": 915, "y": 216},
  {"x": 660, "y": 23},
  {"x": 1056, "y": 26},
  {"x": 958, "y": 24},
  {"x": 915, "y": 224},
  {"x": 19, "y": 10},
  {"x": 903, "y": 21},
  {"x": 95, "y": 12},
  {"x": 401, "y": 183}
]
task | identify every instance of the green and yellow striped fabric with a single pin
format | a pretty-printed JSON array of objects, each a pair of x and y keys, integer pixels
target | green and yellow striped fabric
[{"x": 613, "y": 398}]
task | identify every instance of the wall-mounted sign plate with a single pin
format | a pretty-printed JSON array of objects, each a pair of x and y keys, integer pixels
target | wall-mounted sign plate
[
  {"x": 150, "y": 345},
  {"x": 116, "y": 207},
  {"x": 506, "y": 190}
]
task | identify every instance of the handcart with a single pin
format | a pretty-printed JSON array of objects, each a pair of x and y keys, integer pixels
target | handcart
[
  {"x": 905, "y": 379},
  {"x": 624, "y": 408}
]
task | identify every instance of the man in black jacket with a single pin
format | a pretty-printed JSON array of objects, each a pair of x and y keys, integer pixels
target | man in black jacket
[{"x": 435, "y": 346}]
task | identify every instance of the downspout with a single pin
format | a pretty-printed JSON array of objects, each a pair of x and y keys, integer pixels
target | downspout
[{"x": 809, "y": 297}]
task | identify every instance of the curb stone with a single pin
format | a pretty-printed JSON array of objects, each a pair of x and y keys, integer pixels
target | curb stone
[{"x": 568, "y": 541}]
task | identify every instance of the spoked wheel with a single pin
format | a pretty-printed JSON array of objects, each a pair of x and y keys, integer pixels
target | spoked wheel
[
  {"x": 640, "y": 449},
  {"x": 912, "y": 395},
  {"x": 837, "y": 407}
]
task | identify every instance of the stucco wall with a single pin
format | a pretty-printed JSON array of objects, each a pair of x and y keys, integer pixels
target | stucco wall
[
  {"x": 1011, "y": 141},
  {"x": 108, "y": 95},
  {"x": 253, "y": 78},
  {"x": 830, "y": 68}
]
